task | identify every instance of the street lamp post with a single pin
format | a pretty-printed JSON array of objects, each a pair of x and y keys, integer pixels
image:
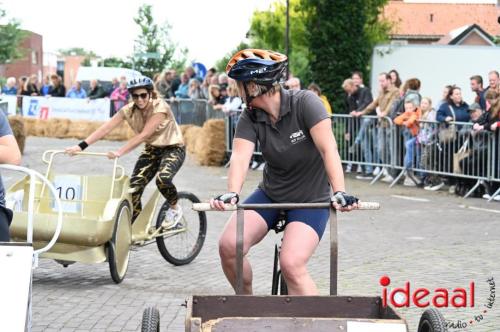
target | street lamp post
[{"x": 287, "y": 37}]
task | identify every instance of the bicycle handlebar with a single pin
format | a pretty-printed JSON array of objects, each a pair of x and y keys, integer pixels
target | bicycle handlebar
[{"x": 282, "y": 206}]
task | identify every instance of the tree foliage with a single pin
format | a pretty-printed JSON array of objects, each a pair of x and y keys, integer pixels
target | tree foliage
[
  {"x": 341, "y": 35},
  {"x": 268, "y": 28},
  {"x": 116, "y": 62},
  {"x": 11, "y": 37},
  {"x": 154, "y": 38}
]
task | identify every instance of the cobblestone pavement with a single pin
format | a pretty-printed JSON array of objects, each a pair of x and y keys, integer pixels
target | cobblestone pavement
[{"x": 435, "y": 241}]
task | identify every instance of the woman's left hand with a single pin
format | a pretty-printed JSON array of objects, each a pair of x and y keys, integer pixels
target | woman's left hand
[
  {"x": 344, "y": 202},
  {"x": 113, "y": 155}
]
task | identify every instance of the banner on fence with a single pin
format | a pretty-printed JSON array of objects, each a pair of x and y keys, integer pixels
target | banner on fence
[
  {"x": 66, "y": 108},
  {"x": 11, "y": 103}
]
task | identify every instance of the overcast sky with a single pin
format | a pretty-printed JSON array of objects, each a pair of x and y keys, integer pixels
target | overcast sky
[{"x": 208, "y": 28}]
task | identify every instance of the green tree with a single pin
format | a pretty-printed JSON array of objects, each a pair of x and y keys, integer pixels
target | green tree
[
  {"x": 154, "y": 39},
  {"x": 341, "y": 37},
  {"x": 116, "y": 62},
  {"x": 10, "y": 39},
  {"x": 221, "y": 64},
  {"x": 267, "y": 30},
  {"x": 88, "y": 55}
]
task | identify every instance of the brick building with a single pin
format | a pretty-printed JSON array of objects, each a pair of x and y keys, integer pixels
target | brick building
[{"x": 31, "y": 63}]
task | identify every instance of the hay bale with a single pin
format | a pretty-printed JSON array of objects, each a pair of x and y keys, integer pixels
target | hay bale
[
  {"x": 41, "y": 128},
  {"x": 81, "y": 129},
  {"x": 58, "y": 128},
  {"x": 29, "y": 126},
  {"x": 210, "y": 150},
  {"x": 191, "y": 137},
  {"x": 120, "y": 133},
  {"x": 184, "y": 128},
  {"x": 17, "y": 125}
]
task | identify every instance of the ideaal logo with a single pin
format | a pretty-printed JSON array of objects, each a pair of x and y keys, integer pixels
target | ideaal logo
[{"x": 462, "y": 297}]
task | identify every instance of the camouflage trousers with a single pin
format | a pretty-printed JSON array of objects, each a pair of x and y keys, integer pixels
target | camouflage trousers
[{"x": 162, "y": 163}]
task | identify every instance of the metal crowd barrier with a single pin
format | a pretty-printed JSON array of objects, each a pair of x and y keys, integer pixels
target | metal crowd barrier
[
  {"x": 370, "y": 141},
  {"x": 193, "y": 111}
]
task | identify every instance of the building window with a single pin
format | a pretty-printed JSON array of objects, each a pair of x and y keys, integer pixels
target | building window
[{"x": 34, "y": 57}]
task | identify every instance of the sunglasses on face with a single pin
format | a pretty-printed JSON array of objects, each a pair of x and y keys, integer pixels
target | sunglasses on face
[{"x": 143, "y": 95}]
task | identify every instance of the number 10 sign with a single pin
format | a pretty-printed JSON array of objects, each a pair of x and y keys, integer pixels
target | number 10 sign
[{"x": 69, "y": 188}]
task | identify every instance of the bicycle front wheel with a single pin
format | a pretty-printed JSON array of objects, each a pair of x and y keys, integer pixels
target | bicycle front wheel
[{"x": 180, "y": 245}]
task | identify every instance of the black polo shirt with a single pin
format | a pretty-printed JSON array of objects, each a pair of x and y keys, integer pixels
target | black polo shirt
[{"x": 294, "y": 172}]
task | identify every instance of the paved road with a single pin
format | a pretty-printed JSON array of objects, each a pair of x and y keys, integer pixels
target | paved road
[{"x": 430, "y": 239}]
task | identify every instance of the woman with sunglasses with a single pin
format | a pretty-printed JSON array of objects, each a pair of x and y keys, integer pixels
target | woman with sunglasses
[{"x": 153, "y": 122}]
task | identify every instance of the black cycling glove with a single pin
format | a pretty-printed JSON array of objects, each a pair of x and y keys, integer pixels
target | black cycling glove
[
  {"x": 228, "y": 197},
  {"x": 343, "y": 199}
]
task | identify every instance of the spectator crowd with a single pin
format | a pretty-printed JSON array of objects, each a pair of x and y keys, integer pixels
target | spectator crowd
[{"x": 450, "y": 138}]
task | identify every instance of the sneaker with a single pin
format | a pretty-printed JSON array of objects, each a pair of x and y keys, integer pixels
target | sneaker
[
  {"x": 348, "y": 168},
  {"x": 376, "y": 171},
  {"x": 172, "y": 218},
  {"x": 388, "y": 179},
  {"x": 435, "y": 187},
  {"x": 409, "y": 182},
  {"x": 497, "y": 198},
  {"x": 360, "y": 169},
  {"x": 487, "y": 196},
  {"x": 364, "y": 176},
  {"x": 254, "y": 165},
  {"x": 261, "y": 167},
  {"x": 452, "y": 188}
]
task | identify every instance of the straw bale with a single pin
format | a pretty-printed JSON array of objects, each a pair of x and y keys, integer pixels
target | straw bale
[
  {"x": 184, "y": 128},
  {"x": 29, "y": 126},
  {"x": 17, "y": 125},
  {"x": 191, "y": 137},
  {"x": 58, "y": 128},
  {"x": 210, "y": 150},
  {"x": 118, "y": 134}
]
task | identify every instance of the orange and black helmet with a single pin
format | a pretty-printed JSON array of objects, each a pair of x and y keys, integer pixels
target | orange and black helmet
[{"x": 259, "y": 66}]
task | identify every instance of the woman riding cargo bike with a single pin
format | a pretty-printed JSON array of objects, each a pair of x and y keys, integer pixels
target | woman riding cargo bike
[
  {"x": 302, "y": 166},
  {"x": 151, "y": 118}
]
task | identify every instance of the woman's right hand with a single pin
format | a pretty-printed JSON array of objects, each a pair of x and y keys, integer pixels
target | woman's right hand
[
  {"x": 72, "y": 150},
  {"x": 220, "y": 201},
  {"x": 448, "y": 119}
]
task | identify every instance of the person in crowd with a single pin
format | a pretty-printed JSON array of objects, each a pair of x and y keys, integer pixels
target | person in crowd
[
  {"x": 190, "y": 72},
  {"x": 195, "y": 91},
  {"x": 215, "y": 98},
  {"x": 46, "y": 86},
  {"x": 77, "y": 91},
  {"x": 454, "y": 110},
  {"x": 494, "y": 80},
  {"x": 57, "y": 88},
  {"x": 426, "y": 140},
  {"x": 115, "y": 84},
  {"x": 214, "y": 80},
  {"x": 357, "y": 99},
  {"x": 233, "y": 104},
  {"x": 396, "y": 80},
  {"x": 9, "y": 154},
  {"x": 409, "y": 120},
  {"x": 293, "y": 83},
  {"x": 446, "y": 91},
  {"x": 223, "y": 83},
  {"x": 357, "y": 77},
  {"x": 388, "y": 93},
  {"x": 476, "y": 85},
  {"x": 119, "y": 97},
  {"x": 182, "y": 91},
  {"x": 316, "y": 89},
  {"x": 211, "y": 73},
  {"x": 176, "y": 81},
  {"x": 30, "y": 87},
  {"x": 164, "y": 85},
  {"x": 21, "y": 84},
  {"x": 164, "y": 152},
  {"x": 96, "y": 91},
  {"x": 10, "y": 87}
]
